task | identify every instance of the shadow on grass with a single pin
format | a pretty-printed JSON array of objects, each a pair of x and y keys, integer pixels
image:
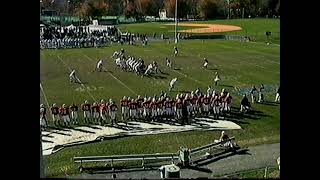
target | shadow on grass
[
  {"x": 164, "y": 73},
  {"x": 58, "y": 128},
  {"x": 91, "y": 126},
  {"x": 82, "y": 130},
  {"x": 182, "y": 91},
  {"x": 224, "y": 85},
  {"x": 46, "y": 141},
  {"x": 159, "y": 77},
  {"x": 269, "y": 103},
  {"x": 47, "y": 135}
]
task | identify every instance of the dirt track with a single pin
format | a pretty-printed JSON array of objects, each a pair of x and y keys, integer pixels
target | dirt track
[{"x": 207, "y": 28}]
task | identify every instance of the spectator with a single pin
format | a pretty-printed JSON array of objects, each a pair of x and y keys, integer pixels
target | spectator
[{"x": 245, "y": 104}]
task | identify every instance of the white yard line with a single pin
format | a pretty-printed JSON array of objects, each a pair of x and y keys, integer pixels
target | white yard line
[
  {"x": 45, "y": 97},
  {"x": 123, "y": 84},
  {"x": 190, "y": 78},
  {"x": 78, "y": 79}
]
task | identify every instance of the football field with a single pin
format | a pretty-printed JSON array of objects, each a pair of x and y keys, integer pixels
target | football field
[{"x": 239, "y": 64}]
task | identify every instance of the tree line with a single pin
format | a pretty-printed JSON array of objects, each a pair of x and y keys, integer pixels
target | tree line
[{"x": 199, "y": 9}]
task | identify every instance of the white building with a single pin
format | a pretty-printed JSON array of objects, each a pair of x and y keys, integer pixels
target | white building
[{"x": 163, "y": 14}]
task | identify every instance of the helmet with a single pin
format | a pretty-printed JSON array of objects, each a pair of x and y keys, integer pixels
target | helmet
[
  {"x": 41, "y": 105},
  {"x": 110, "y": 100},
  {"x": 138, "y": 97},
  {"x": 94, "y": 104},
  {"x": 102, "y": 101},
  {"x": 124, "y": 98},
  {"x": 86, "y": 101},
  {"x": 54, "y": 105},
  {"x": 63, "y": 105}
]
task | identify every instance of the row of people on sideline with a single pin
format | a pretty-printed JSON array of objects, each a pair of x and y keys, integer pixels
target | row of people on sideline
[{"x": 148, "y": 108}]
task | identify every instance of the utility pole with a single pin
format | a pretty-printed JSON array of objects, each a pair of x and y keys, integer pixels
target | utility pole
[
  {"x": 42, "y": 174},
  {"x": 176, "y": 23},
  {"x": 228, "y": 1}
]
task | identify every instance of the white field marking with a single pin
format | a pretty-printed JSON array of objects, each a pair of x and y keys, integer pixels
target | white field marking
[
  {"x": 189, "y": 77},
  {"x": 45, "y": 97},
  {"x": 113, "y": 76},
  {"x": 78, "y": 79},
  {"x": 259, "y": 52},
  {"x": 264, "y": 43},
  {"x": 244, "y": 61},
  {"x": 233, "y": 64},
  {"x": 246, "y": 49}
]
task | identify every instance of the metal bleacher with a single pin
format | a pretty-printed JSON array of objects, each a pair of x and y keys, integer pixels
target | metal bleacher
[{"x": 160, "y": 157}]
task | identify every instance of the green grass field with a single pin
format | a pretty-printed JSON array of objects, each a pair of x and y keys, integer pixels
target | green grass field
[
  {"x": 239, "y": 64},
  {"x": 250, "y": 27}
]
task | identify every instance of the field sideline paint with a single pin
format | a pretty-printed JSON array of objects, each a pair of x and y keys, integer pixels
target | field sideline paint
[
  {"x": 114, "y": 77},
  {"x": 77, "y": 79}
]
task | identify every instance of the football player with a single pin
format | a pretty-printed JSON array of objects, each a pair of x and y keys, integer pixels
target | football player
[
  {"x": 253, "y": 92},
  {"x": 133, "y": 109},
  {"x": 168, "y": 106},
  {"x": 178, "y": 106},
  {"x": 43, "y": 118},
  {"x": 103, "y": 112},
  {"x": 73, "y": 77},
  {"x": 113, "y": 108},
  {"x": 278, "y": 95},
  {"x": 216, "y": 79},
  {"x": 261, "y": 97},
  {"x": 55, "y": 114},
  {"x": 169, "y": 64},
  {"x": 176, "y": 52},
  {"x": 205, "y": 104},
  {"x": 124, "y": 103},
  {"x": 139, "y": 108},
  {"x": 74, "y": 113},
  {"x": 172, "y": 83},
  {"x": 86, "y": 111},
  {"x": 95, "y": 111},
  {"x": 100, "y": 65},
  {"x": 187, "y": 103},
  {"x": 205, "y": 65},
  {"x": 153, "y": 106},
  {"x": 64, "y": 112}
]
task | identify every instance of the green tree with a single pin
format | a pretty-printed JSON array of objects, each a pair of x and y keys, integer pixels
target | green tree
[
  {"x": 208, "y": 9},
  {"x": 184, "y": 8},
  {"x": 149, "y": 7}
]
